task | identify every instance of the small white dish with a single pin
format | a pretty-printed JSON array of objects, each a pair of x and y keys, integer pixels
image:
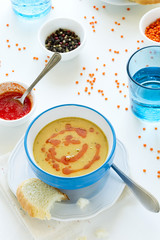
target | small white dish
[
  {"x": 119, "y": 2},
  {"x": 65, "y": 23},
  {"x": 148, "y": 18},
  {"x": 101, "y": 195},
  {"x": 17, "y": 87}
]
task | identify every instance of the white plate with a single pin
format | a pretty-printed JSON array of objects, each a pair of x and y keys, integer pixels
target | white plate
[
  {"x": 101, "y": 195},
  {"x": 119, "y": 2}
]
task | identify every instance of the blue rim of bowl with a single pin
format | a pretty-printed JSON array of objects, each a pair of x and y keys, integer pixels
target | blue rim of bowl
[
  {"x": 153, "y": 46},
  {"x": 65, "y": 105}
]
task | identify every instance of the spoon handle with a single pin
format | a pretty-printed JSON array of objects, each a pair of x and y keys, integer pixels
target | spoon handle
[
  {"x": 52, "y": 62},
  {"x": 147, "y": 199}
]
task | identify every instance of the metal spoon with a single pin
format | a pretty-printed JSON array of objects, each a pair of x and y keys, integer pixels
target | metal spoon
[
  {"x": 147, "y": 199},
  {"x": 52, "y": 62}
]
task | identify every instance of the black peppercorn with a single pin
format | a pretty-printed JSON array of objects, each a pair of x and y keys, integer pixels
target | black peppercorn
[{"x": 62, "y": 40}]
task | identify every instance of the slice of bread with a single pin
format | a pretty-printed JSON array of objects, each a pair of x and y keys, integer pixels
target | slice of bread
[
  {"x": 37, "y": 198},
  {"x": 145, "y": 2}
]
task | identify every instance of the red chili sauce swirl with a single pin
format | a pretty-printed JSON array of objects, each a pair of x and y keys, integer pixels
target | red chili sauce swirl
[{"x": 66, "y": 160}]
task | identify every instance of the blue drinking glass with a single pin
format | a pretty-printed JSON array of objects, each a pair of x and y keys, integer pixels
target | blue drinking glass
[
  {"x": 143, "y": 70},
  {"x": 31, "y": 8}
]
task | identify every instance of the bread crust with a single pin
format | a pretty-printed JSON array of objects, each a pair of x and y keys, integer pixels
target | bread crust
[
  {"x": 32, "y": 210},
  {"x": 145, "y": 2}
]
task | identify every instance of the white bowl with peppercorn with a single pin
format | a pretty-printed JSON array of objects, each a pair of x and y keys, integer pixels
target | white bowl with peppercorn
[
  {"x": 63, "y": 35},
  {"x": 150, "y": 26},
  {"x": 12, "y": 112}
]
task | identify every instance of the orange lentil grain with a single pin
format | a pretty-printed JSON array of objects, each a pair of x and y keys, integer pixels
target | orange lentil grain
[
  {"x": 92, "y": 17},
  {"x": 103, "y": 73},
  {"x": 94, "y": 6},
  {"x": 126, "y": 109},
  {"x": 103, "y": 6},
  {"x": 155, "y": 128},
  {"x": 138, "y": 47},
  {"x": 126, "y": 50},
  {"x": 89, "y": 93},
  {"x": 121, "y": 36},
  {"x": 128, "y": 9},
  {"x": 16, "y": 44},
  {"x": 102, "y": 94},
  {"x": 9, "y": 46},
  {"x": 6, "y": 74},
  {"x": 85, "y": 17},
  {"x": 116, "y": 74},
  {"x": 110, "y": 50},
  {"x": 106, "y": 98},
  {"x": 93, "y": 26},
  {"x": 78, "y": 93},
  {"x": 97, "y": 9},
  {"x": 19, "y": 49},
  {"x": 46, "y": 60},
  {"x": 118, "y": 24},
  {"x": 158, "y": 157},
  {"x": 81, "y": 74},
  {"x": 77, "y": 82},
  {"x": 144, "y": 145},
  {"x": 24, "y": 48},
  {"x": 137, "y": 41},
  {"x": 158, "y": 176},
  {"x": 94, "y": 30},
  {"x": 7, "y": 25},
  {"x": 84, "y": 68},
  {"x": 95, "y": 22},
  {"x": 151, "y": 149},
  {"x": 120, "y": 91},
  {"x": 144, "y": 129},
  {"x": 7, "y": 40},
  {"x": 139, "y": 136},
  {"x": 123, "y": 18},
  {"x": 112, "y": 59},
  {"x": 158, "y": 172},
  {"x": 104, "y": 65},
  {"x": 52, "y": 7},
  {"x": 12, "y": 70},
  {"x": 112, "y": 29},
  {"x": 144, "y": 170},
  {"x": 158, "y": 151},
  {"x": 97, "y": 58},
  {"x": 118, "y": 106},
  {"x": 125, "y": 96}
]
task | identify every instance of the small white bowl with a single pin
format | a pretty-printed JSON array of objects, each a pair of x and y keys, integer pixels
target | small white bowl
[
  {"x": 148, "y": 18},
  {"x": 17, "y": 87},
  {"x": 66, "y": 23}
]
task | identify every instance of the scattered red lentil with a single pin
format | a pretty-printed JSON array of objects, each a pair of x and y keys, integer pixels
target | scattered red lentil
[
  {"x": 103, "y": 73},
  {"x": 125, "y": 96},
  {"x": 9, "y": 46},
  {"x": 19, "y": 49},
  {"x": 81, "y": 74},
  {"x": 139, "y": 136},
  {"x": 6, "y": 74},
  {"x": 128, "y": 9},
  {"x": 158, "y": 157},
  {"x": 103, "y": 6},
  {"x": 144, "y": 170},
  {"x": 144, "y": 129},
  {"x": 126, "y": 50},
  {"x": 126, "y": 109},
  {"x": 106, "y": 98},
  {"x": 77, "y": 82},
  {"x": 16, "y": 44},
  {"x": 121, "y": 36},
  {"x": 155, "y": 128},
  {"x": 123, "y": 18},
  {"x": 151, "y": 149},
  {"x": 144, "y": 145},
  {"x": 84, "y": 68},
  {"x": 85, "y": 17},
  {"x": 78, "y": 93},
  {"x": 112, "y": 29},
  {"x": 118, "y": 106},
  {"x": 7, "y": 25},
  {"x": 7, "y": 40},
  {"x": 24, "y": 48}
]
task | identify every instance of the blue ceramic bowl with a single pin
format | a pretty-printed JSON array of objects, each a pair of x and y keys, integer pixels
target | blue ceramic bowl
[{"x": 62, "y": 111}]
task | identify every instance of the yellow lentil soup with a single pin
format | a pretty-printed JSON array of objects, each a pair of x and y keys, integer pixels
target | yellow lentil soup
[{"x": 70, "y": 147}]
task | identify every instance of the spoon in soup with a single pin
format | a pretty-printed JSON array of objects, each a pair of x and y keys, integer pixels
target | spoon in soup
[
  {"x": 146, "y": 198},
  {"x": 52, "y": 62}
]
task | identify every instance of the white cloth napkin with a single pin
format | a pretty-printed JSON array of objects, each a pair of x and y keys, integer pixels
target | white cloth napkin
[{"x": 49, "y": 230}]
